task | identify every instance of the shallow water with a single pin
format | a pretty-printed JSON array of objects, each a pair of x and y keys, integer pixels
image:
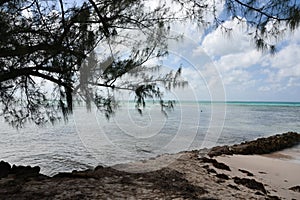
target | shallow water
[{"x": 88, "y": 139}]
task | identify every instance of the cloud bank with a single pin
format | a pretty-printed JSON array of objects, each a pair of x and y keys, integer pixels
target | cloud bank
[{"x": 245, "y": 72}]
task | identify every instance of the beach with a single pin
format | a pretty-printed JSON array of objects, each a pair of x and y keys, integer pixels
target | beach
[
  {"x": 278, "y": 175},
  {"x": 198, "y": 174}
]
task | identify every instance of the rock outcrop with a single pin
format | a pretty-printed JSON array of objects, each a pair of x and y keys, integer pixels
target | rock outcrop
[
  {"x": 4, "y": 169},
  {"x": 18, "y": 171},
  {"x": 259, "y": 146}
]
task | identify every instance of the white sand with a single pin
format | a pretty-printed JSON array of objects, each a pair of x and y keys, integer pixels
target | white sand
[{"x": 277, "y": 174}]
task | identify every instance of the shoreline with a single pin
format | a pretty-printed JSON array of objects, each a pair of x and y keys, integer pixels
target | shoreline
[{"x": 240, "y": 171}]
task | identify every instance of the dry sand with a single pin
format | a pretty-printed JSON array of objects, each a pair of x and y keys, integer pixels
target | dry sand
[{"x": 275, "y": 170}]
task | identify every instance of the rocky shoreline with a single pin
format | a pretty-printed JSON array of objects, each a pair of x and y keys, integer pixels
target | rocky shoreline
[
  {"x": 192, "y": 175},
  {"x": 259, "y": 146}
]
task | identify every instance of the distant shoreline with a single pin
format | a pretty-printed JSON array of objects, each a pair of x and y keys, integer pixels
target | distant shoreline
[{"x": 205, "y": 102}]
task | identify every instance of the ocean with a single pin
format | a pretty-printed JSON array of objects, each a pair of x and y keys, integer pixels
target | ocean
[{"x": 88, "y": 139}]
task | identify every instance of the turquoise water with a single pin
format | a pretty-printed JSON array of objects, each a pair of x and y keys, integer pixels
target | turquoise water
[
  {"x": 88, "y": 139},
  {"x": 251, "y": 103}
]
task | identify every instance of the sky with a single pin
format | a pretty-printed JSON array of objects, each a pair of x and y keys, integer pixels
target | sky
[{"x": 222, "y": 67}]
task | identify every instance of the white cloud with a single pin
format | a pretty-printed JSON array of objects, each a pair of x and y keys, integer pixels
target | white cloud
[
  {"x": 219, "y": 43},
  {"x": 242, "y": 67},
  {"x": 238, "y": 60},
  {"x": 237, "y": 78},
  {"x": 294, "y": 82},
  {"x": 264, "y": 88},
  {"x": 232, "y": 62},
  {"x": 283, "y": 68},
  {"x": 288, "y": 57},
  {"x": 233, "y": 55},
  {"x": 294, "y": 37}
]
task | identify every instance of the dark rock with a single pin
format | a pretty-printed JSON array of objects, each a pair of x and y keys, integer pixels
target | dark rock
[
  {"x": 259, "y": 193},
  {"x": 209, "y": 170},
  {"x": 215, "y": 163},
  {"x": 220, "y": 150},
  {"x": 4, "y": 169},
  {"x": 233, "y": 187},
  {"x": 295, "y": 188},
  {"x": 259, "y": 146},
  {"x": 220, "y": 181},
  {"x": 206, "y": 166},
  {"x": 246, "y": 172},
  {"x": 273, "y": 198},
  {"x": 263, "y": 172},
  {"x": 75, "y": 174},
  {"x": 250, "y": 183},
  {"x": 207, "y": 160},
  {"x": 101, "y": 171},
  {"x": 99, "y": 167},
  {"x": 222, "y": 176},
  {"x": 25, "y": 171},
  {"x": 63, "y": 175},
  {"x": 221, "y": 166}
]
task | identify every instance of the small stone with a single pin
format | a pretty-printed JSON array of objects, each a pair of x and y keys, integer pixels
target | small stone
[
  {"x": 233, "y": 187},
  {"x": 221, "y": 166},
  {"x": 246, "y": 172},
  {"x": 273, "y": 198},
  {"x": 222, "y": 176},
  {"x": 209, "y": 170},
  {"x": 295, "y": 188}
]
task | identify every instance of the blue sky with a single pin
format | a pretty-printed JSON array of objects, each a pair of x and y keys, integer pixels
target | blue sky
[
  {"x": 229, "y": 68},
  {"x": 222, "y": 67}
]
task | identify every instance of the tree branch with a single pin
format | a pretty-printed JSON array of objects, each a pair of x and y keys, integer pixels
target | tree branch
[
  {"x": 23, "y": 50},
  {"x": 261, "y": 11},
  {"x": 34, "y": 72},
  {"x": 110, "y": 86},
  {"x": 105, "y": 26}
]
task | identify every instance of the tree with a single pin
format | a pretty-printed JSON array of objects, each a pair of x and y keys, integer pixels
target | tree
[{"x": 74, "y": 46}]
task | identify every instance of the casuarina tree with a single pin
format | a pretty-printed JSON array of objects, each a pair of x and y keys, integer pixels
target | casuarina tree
[{"x": 54, "y": 52}]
